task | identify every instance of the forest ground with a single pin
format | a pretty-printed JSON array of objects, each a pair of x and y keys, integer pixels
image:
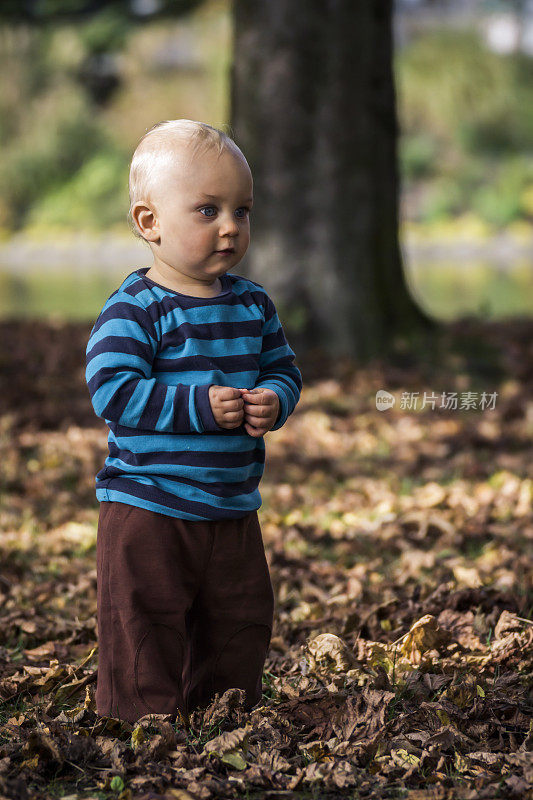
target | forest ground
[{"x": 400, "y": 546}]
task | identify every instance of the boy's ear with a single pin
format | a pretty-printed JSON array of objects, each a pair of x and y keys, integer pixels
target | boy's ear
[{"x": 146, "y": 221}]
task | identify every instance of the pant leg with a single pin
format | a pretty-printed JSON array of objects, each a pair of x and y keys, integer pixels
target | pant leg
[
  {"x": 230, "y": 624},
  {"x": 149, "y": 567}
]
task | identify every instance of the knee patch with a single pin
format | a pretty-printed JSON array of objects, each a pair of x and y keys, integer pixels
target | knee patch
[
  {"x": 239, "y": 663},
  {"x": 158, "y": 668}
]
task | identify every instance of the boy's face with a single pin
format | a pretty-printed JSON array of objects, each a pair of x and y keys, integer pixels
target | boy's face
[{"x": 201, "y": 207}]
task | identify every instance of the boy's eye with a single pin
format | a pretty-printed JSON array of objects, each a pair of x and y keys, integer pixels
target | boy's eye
[{"x": 243, "y": 209}]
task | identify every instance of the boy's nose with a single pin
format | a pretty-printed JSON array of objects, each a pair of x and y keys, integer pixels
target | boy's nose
[{"x": 228, "y": 225}]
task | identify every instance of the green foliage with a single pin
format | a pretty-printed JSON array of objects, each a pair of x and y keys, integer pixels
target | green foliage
[
  {"x": 53, "y": 10},
  {"x": 66, "y": 134},
  {"x": 466, "y": 115},
  {"x": 48, "y": 126},
  {"x": 96, "y": 196},
  {"x": 444, "y": 199},
  {"x": 467, "y": 122},
  {"x": 106, "y": 31},
  {"x": 117, "y": 784},
  {"x": 418, "y": 155},
  {"x": 458, "y": 91},
  {"x": 497, "y": 193},
  {"x": 500, "y": 201},
  {"x": 44, "y": 155}
]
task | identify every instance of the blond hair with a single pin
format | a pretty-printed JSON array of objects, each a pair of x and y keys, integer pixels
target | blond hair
[{"x": 157, "y": 148}]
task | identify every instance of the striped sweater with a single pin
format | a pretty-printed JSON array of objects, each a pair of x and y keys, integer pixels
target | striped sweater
[{"x": 151, "y": 356}]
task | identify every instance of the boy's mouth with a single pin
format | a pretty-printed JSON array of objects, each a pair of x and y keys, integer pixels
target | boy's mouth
[{"x": 226, "y": 250}]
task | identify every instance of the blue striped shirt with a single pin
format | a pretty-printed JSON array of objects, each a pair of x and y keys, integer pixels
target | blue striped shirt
[{"x": 151, "y": 357}]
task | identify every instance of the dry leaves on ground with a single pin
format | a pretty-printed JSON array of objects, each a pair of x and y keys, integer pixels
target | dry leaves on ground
[{"x": 400, "y": 548}]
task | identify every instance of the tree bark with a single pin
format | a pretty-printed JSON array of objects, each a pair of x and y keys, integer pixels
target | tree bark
[{"x": 313, "y": 109}]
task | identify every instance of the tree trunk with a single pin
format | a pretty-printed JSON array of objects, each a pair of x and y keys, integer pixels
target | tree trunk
[{"x": 313, "y": 109}]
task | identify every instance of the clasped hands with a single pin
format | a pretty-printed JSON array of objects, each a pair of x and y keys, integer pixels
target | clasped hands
[{"x": 257, "y": 409}]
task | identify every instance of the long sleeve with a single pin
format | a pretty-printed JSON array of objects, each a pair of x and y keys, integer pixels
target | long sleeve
[
  {"x": 119, "y": 356},
  {"x": 277, "y": 369}
]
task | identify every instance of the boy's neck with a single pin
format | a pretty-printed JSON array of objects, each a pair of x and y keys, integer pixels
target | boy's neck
[{"x": 197, "y": 290}]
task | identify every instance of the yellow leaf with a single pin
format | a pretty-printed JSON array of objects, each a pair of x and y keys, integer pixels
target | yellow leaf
[
  {"x": 403, "y": 758},
  {"x": 30, "y": 763},
  {"x": 137, "y": 737},
  {"x": 461, "y": 764},
  {"x": 380, "y": 658},
  {"x": 67, "y": 690},
  {"x": 234, "y": 758},
  {"x": 87, "y": 658}
]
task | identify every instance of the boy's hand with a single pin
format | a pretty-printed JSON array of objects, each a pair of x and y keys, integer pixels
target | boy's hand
[
  {"x": 261, "y": 407},
  {"x": 227, "y": 406}
]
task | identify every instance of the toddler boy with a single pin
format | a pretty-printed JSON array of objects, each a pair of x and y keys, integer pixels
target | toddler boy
[{"x": 189, "y": 366}]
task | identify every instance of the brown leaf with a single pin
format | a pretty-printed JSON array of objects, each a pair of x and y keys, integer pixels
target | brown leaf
[
  {"x": 507, "y": 623},
  {"x": 230, "y": 706},
  {"x": 41, "y": 743},
  {"x": 229, "y": 740},
  {"x": 362, "y": 715},
  {"x": 328, "y": 652},
  {"x": 425, "y": 634}
]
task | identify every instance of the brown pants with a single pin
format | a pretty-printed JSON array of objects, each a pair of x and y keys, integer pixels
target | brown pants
[{"x": 184, "y": 610}]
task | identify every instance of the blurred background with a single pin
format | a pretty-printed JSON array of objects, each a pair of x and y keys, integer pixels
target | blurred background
[
  {"x": 392, "y": 152},
  {"x": 76, "y": 95}
]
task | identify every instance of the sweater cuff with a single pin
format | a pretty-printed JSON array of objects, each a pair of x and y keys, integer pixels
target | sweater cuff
[{"x": 203, "y": 407}]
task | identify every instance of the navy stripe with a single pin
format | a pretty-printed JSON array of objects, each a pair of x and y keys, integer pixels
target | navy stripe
[
  {"x": 153, "y": 408},
  {"x": 228, "y": 364},
  {"x": 122, "y": 344},
  {"x": 119, "y": 401},
  {"x": 218, "y": 488},
  {"x": 149, "y": 496},
  {"x": 121, "y": 310},
  {"x": 193, "y": 458},
  {"x": 209, "y": 331}
]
